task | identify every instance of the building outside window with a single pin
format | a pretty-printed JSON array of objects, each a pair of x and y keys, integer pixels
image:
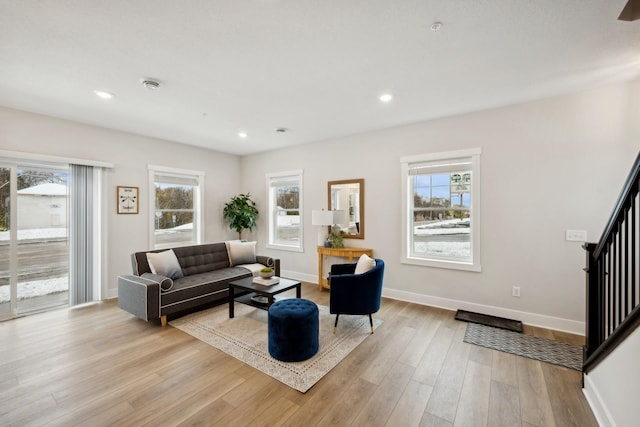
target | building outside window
[
  {"x": 284, "y": 195},
  {"x": 176, "y": 206},
  {"x": 441, "y": 209}
]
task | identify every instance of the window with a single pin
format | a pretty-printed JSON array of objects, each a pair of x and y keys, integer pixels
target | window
[
  {"x": 441, "y": 207},
  {"x": 284, "y": 193},
  {"x": 175, "y": 206}
]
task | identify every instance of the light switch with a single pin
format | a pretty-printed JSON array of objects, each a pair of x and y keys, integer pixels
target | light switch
[{"x": 576, "y": 235}]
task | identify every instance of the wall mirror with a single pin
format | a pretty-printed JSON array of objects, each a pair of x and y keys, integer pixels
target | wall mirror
[{"x": 348, "y": 196}]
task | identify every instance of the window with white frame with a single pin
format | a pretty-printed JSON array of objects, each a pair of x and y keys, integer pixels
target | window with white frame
[
  {"x": 176, "y": 200},
  {"x": 441, "y": 209},
  {"x": 284, "y": 195}
]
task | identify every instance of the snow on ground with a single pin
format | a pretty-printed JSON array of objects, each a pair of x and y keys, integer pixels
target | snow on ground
[
  {"x": 456, "y": 249},
  {"x": 451, "y": 226},
  {"x": 36, "y": 233},
  {"x": 36, "y": 288}
]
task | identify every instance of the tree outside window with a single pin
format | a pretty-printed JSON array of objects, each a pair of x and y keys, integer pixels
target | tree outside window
[{"x": 176, "y": 207}]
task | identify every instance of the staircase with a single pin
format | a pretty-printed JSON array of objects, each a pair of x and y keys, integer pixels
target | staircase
[{"x": 613, "y": 279}]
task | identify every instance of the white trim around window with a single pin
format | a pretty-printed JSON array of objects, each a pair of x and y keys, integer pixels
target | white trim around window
[
  {"x": 285, "y": 223},
  {"x": 180, "y": 177},
  {"x": 452, "y": 205}
]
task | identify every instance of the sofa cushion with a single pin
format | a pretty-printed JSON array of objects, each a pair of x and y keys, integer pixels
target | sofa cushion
[
  {"x": 202, "y": 258},
  {"x": 241, "y": 252},
  {"x": 198, "y": 285},
  {"x": 165, "y": 264}
]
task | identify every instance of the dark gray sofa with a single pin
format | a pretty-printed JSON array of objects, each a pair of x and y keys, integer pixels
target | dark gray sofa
[{"x": 207, "y": 272}]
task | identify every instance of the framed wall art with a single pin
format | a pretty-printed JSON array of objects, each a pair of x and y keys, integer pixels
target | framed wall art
[{"x": 128, "y": 200}]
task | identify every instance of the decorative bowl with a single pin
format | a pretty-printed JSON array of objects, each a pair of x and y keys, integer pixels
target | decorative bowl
[{"x": 266, "y": 274}]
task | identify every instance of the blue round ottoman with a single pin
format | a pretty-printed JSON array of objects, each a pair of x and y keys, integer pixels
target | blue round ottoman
[{"x": 293, "y": 329}]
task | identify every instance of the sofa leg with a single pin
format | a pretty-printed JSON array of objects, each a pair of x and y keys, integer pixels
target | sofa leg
[
  {"x": 335, "y": 325},
  {"x": 163, "y": 320},
  {"x": 371, "y": 323}
]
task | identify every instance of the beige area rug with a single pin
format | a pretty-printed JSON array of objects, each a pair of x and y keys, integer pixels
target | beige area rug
[{"x": 245, "y": 338}]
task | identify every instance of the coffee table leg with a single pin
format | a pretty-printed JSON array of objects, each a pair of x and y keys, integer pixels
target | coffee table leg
[
  {"x": 231, "y": 302},
  {"x": 298, "y": 291}
]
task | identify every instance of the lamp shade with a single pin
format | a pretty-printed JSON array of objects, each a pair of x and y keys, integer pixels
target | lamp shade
[
  {"x": 339, "y": 217},
  {"x": 322, "y": 218}
]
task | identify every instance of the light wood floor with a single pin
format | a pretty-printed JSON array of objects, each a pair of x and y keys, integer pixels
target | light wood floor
[{"x": 97, "y": 365}]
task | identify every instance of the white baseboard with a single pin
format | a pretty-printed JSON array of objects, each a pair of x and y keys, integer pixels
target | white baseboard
[
  {"x": 600, "y": 411},
  {"x": 295, "y": 275},
  {"x": 532, "y": 319},
  {"x": 110, "y": 293}
]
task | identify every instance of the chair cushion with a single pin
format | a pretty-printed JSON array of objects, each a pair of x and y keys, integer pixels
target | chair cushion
[{"x": 365, "y": 263}]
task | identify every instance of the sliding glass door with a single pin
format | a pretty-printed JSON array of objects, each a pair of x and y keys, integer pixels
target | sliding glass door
[
  {"x": 43, "y": 239},
  {"x": 7, "y": 300},
  {"x": 34, "y": 239}
]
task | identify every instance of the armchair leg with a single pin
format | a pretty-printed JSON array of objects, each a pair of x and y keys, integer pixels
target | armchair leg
[
  {"x": 163, "y": 320},
  {"x": 371, "y": 322},
  {"x": 335, "y": 325}
]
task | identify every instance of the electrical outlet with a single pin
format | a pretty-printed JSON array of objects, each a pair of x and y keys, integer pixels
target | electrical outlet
[
  {"x": 515, "y": 291},
  {"x": 576, "y": 235}
]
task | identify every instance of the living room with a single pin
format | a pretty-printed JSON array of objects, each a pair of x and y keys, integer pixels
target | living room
[{"x": 549, "y": 164}]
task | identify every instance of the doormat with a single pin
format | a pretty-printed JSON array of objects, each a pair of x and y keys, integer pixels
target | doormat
[
  {"x": 485, "y": 319},
  {"x": 557, "y": 353}
]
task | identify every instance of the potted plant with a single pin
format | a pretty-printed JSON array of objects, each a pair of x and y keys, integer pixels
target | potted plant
[
  {"x": 241, "y": 212},
  {"x": 335, "y": 240}
]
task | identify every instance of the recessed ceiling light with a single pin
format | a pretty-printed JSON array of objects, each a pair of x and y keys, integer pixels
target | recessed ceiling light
[
  {"x": 436, "y": 26},
  {"x": 102, "y": 94},
  {"x": 242, "y": 134},
  {"x": 386, "y": 97}
]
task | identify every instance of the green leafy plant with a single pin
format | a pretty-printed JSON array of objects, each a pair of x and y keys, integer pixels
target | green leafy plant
[
  {"x": 335, "y": 240},
  {"x": 241, "y": 212}
]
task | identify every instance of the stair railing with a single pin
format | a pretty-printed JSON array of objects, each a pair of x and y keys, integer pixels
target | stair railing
[{"x": 613, "y": 288}]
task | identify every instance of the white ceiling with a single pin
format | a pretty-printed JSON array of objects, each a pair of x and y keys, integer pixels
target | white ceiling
[{"x": 313, "y": 67}]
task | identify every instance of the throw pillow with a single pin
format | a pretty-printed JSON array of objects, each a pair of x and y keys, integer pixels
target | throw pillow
[
  {"x": 241, "y": 252},
  {"x": 365, "y": 263},
  {"x": 165, "y": 264}
]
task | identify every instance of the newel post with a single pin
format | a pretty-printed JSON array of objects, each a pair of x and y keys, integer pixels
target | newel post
[{"x": 593, "y": 306}]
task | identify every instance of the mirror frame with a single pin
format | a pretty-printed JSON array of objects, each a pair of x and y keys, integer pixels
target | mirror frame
[{"x": 359, "y": 181}]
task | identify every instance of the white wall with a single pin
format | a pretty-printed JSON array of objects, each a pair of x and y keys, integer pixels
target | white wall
[
  {"x": 613, "y": 386},
  {"x": 547, "y": 166},
  {"x": 131, "y": 154}
]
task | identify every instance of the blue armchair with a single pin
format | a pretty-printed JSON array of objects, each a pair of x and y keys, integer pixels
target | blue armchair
[{"x": 355, "y": 293}]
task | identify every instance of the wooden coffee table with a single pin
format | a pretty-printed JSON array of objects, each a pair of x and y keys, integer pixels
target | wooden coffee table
[{"x": 256, "y": 290}]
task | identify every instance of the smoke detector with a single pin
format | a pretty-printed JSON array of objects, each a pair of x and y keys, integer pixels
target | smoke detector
[{"x": 150, "y": 84}]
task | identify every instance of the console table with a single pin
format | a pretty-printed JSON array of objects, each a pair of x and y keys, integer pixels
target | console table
[{"x": 349, "y": 253}]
